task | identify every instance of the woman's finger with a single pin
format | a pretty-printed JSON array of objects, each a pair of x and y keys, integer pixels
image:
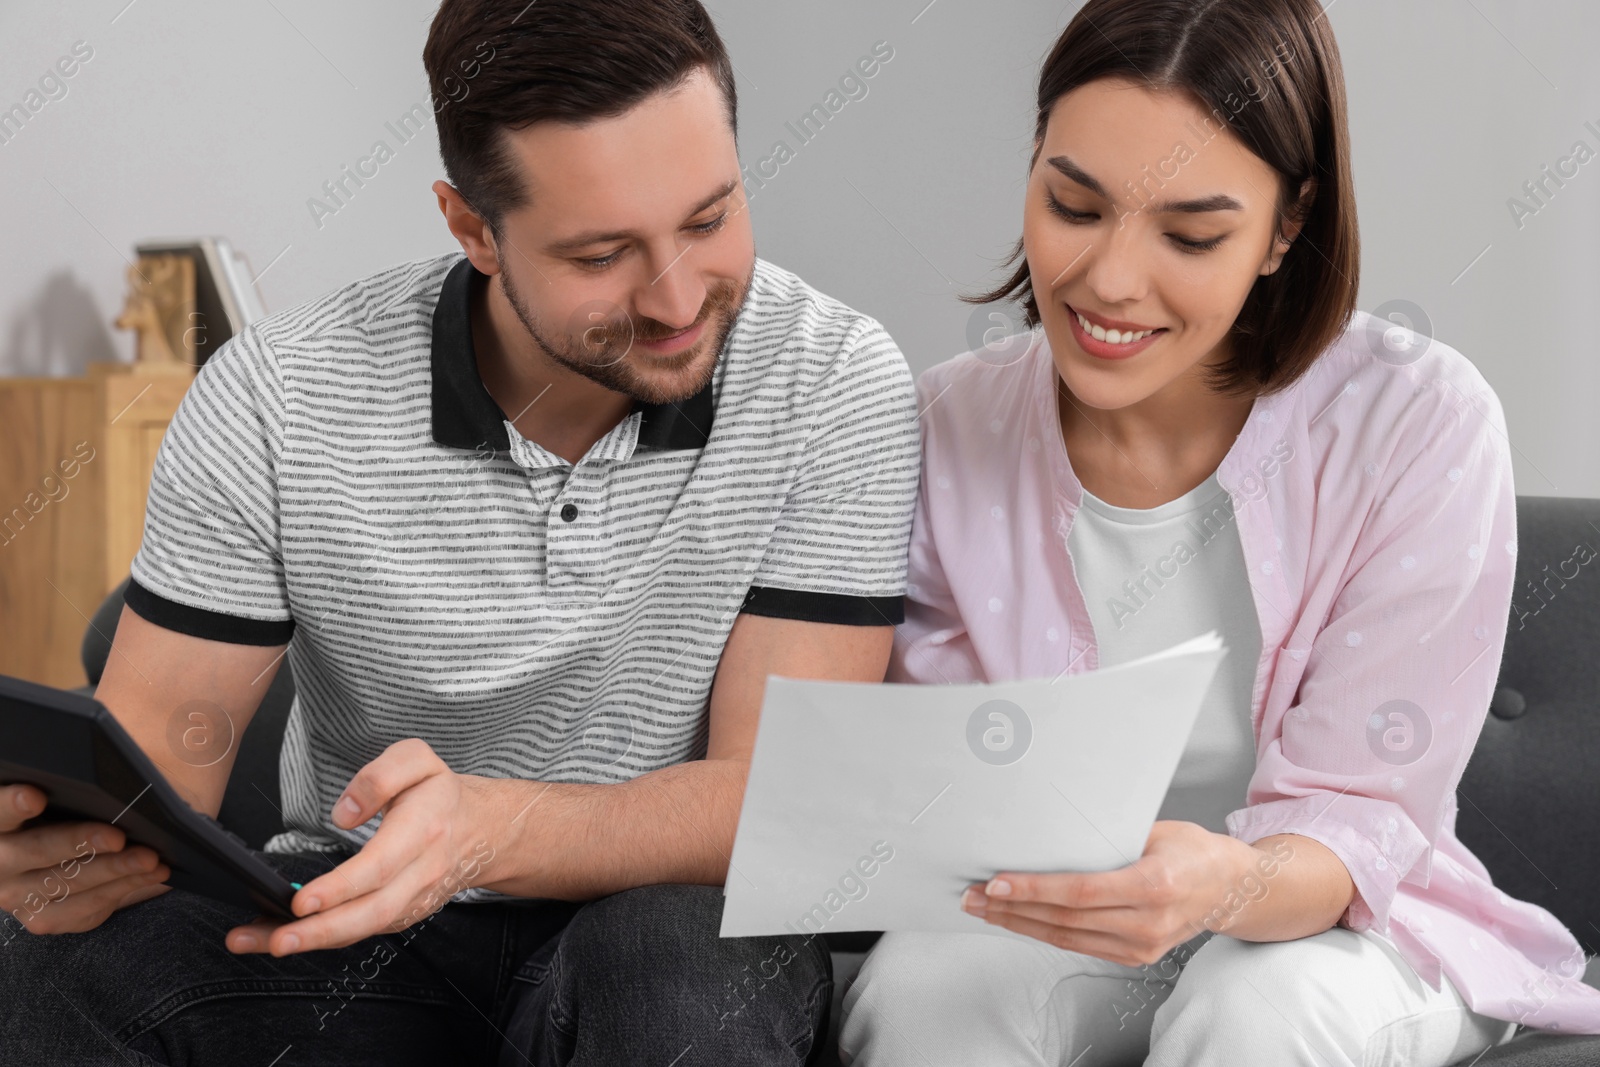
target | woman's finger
[
  {"x": 1095, "y": 889},
  {"x": 1089, "y": 942},
  {"x": 1118, "y": 922}
]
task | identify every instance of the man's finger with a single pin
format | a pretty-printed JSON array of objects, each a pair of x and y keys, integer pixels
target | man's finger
[
  {"x": 139, "y": 896},
  {"x": 58, "y": 882},
  {"x": 389, "y": 851},
  {"x": 401, "y": 766},
  {"x": 81, "y": 911},
  {"x": 251, "y": 937},
  {"x": 59, "y": 843},
  {"x": 18, "y": 804},
  {"x": 353, "y": 921}
]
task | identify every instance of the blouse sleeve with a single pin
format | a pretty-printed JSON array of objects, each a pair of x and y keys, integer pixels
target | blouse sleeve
[{"x": 1399, "y": 678}]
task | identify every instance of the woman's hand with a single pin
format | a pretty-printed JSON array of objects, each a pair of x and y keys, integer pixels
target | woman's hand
[{"x": 1188, "y": 880}]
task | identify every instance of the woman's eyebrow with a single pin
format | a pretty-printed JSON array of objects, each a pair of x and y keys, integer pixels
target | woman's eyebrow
[{"x": 1197, "y": 206}]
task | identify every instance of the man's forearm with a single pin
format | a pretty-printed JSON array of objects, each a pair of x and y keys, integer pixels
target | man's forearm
[
  {"x": 675, "y": 824},
  {"x": 582, "y": 842}
]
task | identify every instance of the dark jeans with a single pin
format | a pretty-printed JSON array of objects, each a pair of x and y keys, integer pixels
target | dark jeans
[{"x": 640, "y": 977}]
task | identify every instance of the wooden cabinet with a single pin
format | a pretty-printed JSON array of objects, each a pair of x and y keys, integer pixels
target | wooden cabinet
[{"x": 75, "y": 461}]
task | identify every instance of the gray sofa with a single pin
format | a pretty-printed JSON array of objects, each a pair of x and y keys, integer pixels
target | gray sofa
[{"x": 1529, "y": 800}]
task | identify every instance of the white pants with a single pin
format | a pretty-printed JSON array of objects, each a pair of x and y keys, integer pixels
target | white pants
[{"x": 1336, "y": 999}]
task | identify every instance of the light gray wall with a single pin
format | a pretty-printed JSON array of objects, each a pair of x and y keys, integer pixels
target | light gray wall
[{"x": 196, "y": 117}]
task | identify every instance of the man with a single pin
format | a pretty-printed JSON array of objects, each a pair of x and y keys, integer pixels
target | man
[{"x": 540, "y": 521}]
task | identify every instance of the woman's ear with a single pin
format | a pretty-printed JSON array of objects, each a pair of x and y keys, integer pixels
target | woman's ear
[{"x": 1291, "y": 226}]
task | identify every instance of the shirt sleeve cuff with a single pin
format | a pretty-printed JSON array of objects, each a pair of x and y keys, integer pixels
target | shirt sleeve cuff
[
  {"x": 201, "y": 622},
  {"x": 1377, "y": 864},
  {"x": 837, "y": 608}
]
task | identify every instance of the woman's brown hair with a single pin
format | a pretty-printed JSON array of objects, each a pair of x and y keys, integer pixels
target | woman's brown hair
[{"x": 1269, "y": 71}]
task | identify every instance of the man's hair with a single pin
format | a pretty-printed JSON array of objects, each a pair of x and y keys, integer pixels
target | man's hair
[
  {"x": 1268, "y": 70},
  {"x": 496, "y": 66}
]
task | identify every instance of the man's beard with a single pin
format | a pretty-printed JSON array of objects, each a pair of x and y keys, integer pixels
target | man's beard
[{"x": 600, "y": 343}]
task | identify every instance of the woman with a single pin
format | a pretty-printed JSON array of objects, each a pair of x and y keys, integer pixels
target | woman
[{"x": 1200, "y": 433}]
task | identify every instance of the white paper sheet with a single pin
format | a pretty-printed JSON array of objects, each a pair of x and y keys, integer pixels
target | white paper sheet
[{"x": 872, "y": 807}]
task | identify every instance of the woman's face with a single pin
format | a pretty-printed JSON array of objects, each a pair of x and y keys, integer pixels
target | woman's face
[{"x": 1143, "y": 213}]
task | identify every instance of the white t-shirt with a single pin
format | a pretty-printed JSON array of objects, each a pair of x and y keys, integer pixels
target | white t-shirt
[{"x": 1153, "y": 577}]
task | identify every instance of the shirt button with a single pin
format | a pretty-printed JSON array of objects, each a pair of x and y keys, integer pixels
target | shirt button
[{"x": 569, "y": 512}]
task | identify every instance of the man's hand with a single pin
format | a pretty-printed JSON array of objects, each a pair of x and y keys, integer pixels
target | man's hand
[
  {"x": 66, "y": 878},
  {"x": 674, "y": 824},
  {"x": 70, "y": 877},
  {"x": 1188, "y": 880},
  {"x": 434, "y": 842}
]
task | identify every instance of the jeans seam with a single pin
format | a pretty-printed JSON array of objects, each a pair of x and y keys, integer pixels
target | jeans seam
[
  {"x": 176, "y": 1003},
  {"x": 555, "y": 1012},
  {"x": 505, "y": 986},
  {"x": 816, "y": 1029},
  {"x": 813, "y": 1031}
]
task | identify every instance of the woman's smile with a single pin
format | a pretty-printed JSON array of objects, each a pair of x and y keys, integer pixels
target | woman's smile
[{"x": 1111, "y": 338}]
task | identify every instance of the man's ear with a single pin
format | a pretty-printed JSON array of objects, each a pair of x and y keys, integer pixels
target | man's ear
[
  {"x": 1291, "y": 226},
  {"x": 468, "y": 227}
]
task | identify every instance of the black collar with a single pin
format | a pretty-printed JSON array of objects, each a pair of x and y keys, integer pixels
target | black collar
[{"x": 466, "y": 416}]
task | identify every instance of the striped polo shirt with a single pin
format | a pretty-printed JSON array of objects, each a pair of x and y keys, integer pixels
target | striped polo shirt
[{"x": 338, "y": 474}]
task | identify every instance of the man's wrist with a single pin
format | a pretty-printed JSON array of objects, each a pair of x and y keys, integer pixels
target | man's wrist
[{"x": 498, "y": 806}]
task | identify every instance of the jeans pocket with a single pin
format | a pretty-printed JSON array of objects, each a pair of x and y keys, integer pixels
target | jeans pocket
[
  {"x": 536, "y": 968},
  {"x": 538, "y": 1027}
]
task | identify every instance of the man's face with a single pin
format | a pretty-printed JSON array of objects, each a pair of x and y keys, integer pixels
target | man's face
[{"x": 631, "y": 259}]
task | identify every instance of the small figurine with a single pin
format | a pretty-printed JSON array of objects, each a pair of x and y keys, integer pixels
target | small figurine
[{"x": 159, "y": 307}]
